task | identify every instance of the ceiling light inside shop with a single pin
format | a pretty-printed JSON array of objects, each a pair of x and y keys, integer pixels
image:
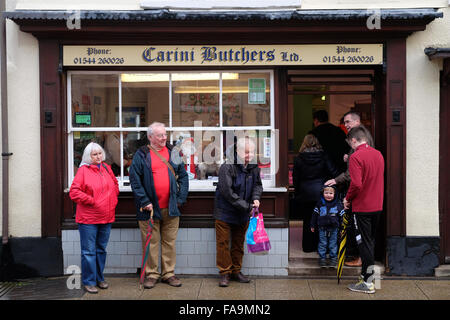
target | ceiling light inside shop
[
  {"x": 158, "y": 77},
  {"x": 187, "y": 89}
]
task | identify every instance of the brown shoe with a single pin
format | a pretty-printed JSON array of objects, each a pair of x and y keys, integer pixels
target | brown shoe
[
  {"x": 103, "y": 285},
  {"x": 172, "y": 281},
  {"x": 224, "y": 280},
  {"x": 354, "y": 263},
  {"x": 239, "y": 277},
  {"x": 91, "y": 289},
  {"x": 150, "y": 283}
]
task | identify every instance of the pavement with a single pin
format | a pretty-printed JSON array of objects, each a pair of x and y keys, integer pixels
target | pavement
[{"x": 203, "y": 288}]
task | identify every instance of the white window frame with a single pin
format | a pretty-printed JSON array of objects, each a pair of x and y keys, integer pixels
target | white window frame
[{"x": 194, "y": 185}]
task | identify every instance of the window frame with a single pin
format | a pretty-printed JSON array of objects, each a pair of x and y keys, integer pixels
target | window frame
[{"x": 194, "y": 185}]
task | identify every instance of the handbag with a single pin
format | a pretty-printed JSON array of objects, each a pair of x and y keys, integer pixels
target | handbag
[{"x": 257, "y": 240}]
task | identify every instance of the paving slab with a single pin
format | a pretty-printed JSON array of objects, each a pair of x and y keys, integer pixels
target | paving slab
[
  {"x": 126, "y": 288},
  {"x": 329, "y": 289},
  {"x": 189, "y": 290},
  {"x": 435, "y": 289},
  {"x": 283, "y": 289},
  {"x": 398, "y": 290},
  {"x": 210, "y": 290}
]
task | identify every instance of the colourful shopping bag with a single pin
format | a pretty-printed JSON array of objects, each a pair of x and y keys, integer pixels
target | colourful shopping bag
[{"x": 257, "y": 239}]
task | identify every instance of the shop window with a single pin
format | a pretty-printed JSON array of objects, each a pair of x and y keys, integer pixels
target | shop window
[{"x": 204, "y": 113}]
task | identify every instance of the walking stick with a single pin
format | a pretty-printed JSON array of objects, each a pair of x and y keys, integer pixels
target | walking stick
[{"x": 146, "y": 251}]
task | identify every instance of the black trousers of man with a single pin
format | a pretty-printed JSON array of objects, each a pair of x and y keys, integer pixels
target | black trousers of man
[{"x": 366, "y": 227}]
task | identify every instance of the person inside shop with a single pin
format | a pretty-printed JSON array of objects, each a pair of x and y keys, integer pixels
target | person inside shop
[
  {"x": 365, "y": 196},
  {"x": 331, "y": 137},
  {"x": 352, "y": 119},
  {"x": 112, "y": 148},
  {"x": 160, "y": 188},
  {"x": 312, "y": 167},
  {"x": 326, "y": 220},
  {"x": 238, "y": 191},
  {"x": 94, "y": 190}
]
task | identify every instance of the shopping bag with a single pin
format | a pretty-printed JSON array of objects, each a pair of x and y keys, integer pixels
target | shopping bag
[{"x": 257, "y": 239}]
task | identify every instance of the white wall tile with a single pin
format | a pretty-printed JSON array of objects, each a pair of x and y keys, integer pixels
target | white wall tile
[{"x": 194, "y": 234}]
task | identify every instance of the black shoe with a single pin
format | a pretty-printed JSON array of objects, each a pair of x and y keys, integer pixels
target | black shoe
[
  {"x": 323, "y": 263},
  {"x": 224, "y": 280},
  {"x": 239, "y": 277}
]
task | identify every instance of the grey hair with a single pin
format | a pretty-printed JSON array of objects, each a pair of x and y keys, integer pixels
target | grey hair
[
  {"x": 153, "y": 125},
  {"x": 92, "y": 146}
]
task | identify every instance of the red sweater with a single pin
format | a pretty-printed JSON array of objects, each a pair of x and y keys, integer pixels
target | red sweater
[
  {"x": 161, "y": 177},
  {"x": 366, "y": 168},
  {"x": 95, "y": 192}
]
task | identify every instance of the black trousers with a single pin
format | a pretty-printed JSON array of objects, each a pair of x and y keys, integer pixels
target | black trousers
[
  {"x": 366, "y": 228},
  {"x": 310, "y": 240},
  {"x": 352, "y": 247}
]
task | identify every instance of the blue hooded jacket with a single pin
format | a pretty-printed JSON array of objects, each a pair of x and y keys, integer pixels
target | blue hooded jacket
[
  {"x": 143, "y": 185},
  {"x": 327, "y": 213}
]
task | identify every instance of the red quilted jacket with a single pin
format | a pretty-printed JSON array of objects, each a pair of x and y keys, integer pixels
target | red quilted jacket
[{"x": 95, "y": 191}]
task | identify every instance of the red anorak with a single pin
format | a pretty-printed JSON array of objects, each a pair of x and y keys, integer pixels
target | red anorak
[{"x": 95, "y": 191}]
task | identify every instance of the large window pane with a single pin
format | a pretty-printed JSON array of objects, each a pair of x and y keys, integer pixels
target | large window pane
[
  {"x": 200, "y": 151},
  {"x": 263, "y": 150},
  {"x": 80, "y": 141},
  {"x": 145, "y": 99},
  {"x": 246, "y": 100},
  {"x": 95, "y": 100},
  {"x": 195, "y": 98}
]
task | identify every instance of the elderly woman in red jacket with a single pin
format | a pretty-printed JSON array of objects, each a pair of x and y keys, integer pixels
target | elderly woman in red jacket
[{"x": 95, "y": 191}]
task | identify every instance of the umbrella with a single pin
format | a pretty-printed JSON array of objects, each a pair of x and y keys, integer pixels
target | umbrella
[
  {"x": 342, "y": 248},
  {"x": 146, "y": 250}
]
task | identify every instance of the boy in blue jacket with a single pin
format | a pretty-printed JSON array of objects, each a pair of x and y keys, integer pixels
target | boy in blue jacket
[{"x": 326, "y": 218}]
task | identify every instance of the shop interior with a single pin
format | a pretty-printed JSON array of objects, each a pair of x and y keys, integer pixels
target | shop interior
[{"x": 337, "y": 92}]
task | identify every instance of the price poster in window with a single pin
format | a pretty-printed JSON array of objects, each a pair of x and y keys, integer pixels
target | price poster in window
[
  {"x": 266, "y": 147},
  {"x": 256, "y": 91}
]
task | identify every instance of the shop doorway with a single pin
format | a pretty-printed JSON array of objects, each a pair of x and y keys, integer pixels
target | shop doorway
[{"x": 336, "y": 92}]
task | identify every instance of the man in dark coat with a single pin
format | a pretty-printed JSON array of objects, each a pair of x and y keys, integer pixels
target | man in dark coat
[
  {"x": 331, "y": 138},
  {"x": 238, "y": 191},
  {"x": 160, "y": 185}
]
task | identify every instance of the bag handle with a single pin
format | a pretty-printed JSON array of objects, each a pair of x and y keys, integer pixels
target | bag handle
[
  {"x": 164, "y": 160},
  {"x": 255, "y": 210}
]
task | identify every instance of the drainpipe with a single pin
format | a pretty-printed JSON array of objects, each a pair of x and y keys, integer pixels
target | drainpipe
[{"x": 4, "y": 110}]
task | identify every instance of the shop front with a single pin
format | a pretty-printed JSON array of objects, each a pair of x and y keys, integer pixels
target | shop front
[{"x": 212, "y": 78}]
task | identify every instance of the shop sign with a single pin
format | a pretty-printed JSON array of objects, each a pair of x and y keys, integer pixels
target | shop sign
[{"x": 237, "y": 55}]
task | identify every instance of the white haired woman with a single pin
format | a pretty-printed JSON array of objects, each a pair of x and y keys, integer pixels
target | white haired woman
[{"x": 95, "y": 190}]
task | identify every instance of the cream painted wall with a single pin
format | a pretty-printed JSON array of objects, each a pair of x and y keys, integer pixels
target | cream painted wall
[
  {"x": 24, "y": 133},
  {"x": 422, "y": 103},
  {"x": 305, "y": 4},
  {"x": 422, "y": 132}
]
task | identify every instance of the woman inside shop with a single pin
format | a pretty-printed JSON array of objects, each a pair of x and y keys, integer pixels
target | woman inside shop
[
  {"x": 312, "y": 168},
  {"x": 95, "y": 190}
]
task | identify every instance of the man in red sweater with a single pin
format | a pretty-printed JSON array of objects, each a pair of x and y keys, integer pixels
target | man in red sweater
[{"x": 365, "y": 195}]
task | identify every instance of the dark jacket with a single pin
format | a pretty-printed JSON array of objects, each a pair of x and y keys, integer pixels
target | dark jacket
[
  {"x": 333, "y": 141},
  {"x": 327, "y": 213},
  {"x": 143, "y": 185},
  {"x": 236, "y": 190},
  {"x": 311, "y": 170}
]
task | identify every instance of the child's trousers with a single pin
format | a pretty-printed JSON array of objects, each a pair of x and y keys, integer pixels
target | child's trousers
[{"x": 328, "y": 239}]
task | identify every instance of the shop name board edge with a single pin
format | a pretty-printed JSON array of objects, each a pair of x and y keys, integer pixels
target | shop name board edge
[{"x": 211, "y": 55}]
